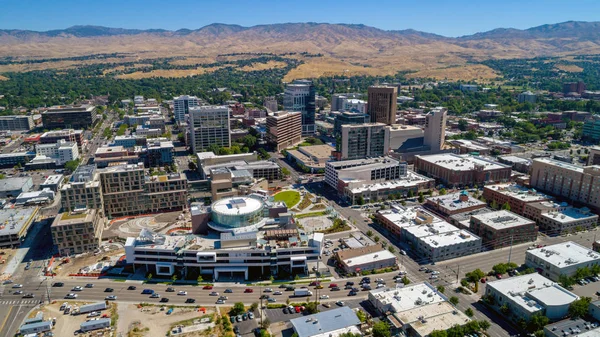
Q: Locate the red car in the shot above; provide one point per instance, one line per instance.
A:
(207, 287)
(297, 309)
(498, 276)
(333, 285)
(248, 290)
(482, 280)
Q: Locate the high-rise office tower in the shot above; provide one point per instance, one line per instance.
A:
(300, 96)
(209, 125)
(381, 104)
(182, 105)
(364, 140)
(435, 129)
(284, 129)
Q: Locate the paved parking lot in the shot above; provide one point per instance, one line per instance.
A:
(588, 290)
(246, 327)
(277, 315)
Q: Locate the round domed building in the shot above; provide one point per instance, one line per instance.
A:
(237, 212)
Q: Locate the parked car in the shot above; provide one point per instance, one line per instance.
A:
(340, 303)
(232, 319)
(335, 289)
(238, 318)
(271, 300)
(250, 315)
(244, 317)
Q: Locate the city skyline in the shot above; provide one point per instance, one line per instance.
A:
(429, 16)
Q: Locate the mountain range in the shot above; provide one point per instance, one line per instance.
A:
(352, 48)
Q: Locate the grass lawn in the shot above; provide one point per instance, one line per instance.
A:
(289, 197)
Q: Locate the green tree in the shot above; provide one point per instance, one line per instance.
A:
(484, 324)
(107, 133)
(181, 137)
(421, 197)
(506, 206)
(391, 249)
(238, 308)
(441, 289)
(174, 278)
(369, 233)
(454, 300)
(410, 194)
(149, 277)
(253, 306)
(266, 323)
(579, 308)
(469, 312)
(462, 124)
(360, 200)
(537, 322)
(505, 309)
(494, 204)
(475, 275)
(405, 280)
(72, 165)
(381, 329)
(311, 307)
(200, 279)
(297, 277)
(285, 171)
(376, 239)
(271, 278)
(361, 316)
(443, 191)
(438, 333)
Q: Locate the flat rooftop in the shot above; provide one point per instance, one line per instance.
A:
(519, 192)
(578, 327)
(411, 179)
(461, 162)
(16, 183)
(361, 162)
(570, 214)
(449, 239)
(440, 316)
(53, 179)
(69, 218)
(406, 298)
(383, 254)
(12, 220)
(564, 254)
(560, 164)
(324, 322)
(533, 291)
(237, 205)
(317, 151)
(435, 228)
(502, 219)
(452, 201)
(515, 159)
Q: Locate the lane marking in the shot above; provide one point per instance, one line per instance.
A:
(6, 318)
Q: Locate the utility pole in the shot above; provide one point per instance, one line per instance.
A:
(511, 245)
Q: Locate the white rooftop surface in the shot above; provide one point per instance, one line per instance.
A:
(411, 179)
(236, 205)
(590, 333)
(400, 217)
(436, 228)
(438, 317)
(461, 162)
(519, 192)
(402, 299)
(449, 239)
(560, 164)
(470, 144)
(569, 215)
(502, 219)
(367, 258)
(452, 201)
(564, 254)
(515, 159)
(533, 287)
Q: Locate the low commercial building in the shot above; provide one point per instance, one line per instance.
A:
(61, 152)
(40, 197)
(70, 116)
(416, 309)
(454, 203)
(101, 323)
(15, 223)
(367, 170)
(463, 220)
(561, 259)
(367, 258)
(77, 232)
(557, 219)
(15, 159)
(462, 170)
(110, 155)
(578, 327)
(53, 182)
(12, 187)
(398, 217)
(234, 256)
(518, 164)
(528, 295)
(68, 135)
(517, 197)
(16, 123)
(356, 191)
(330, 323)
(249, 162)
(503, 228)
(468, 147)
(439, 241)
(312, 157)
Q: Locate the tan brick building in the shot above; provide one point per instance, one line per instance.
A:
(77, 232)
(284, 129)
(516, 196)
(503, 228)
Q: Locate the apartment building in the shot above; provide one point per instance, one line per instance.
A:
(561, 259)
(16, 123)
(127, 190)
(270, 103)
(503, 228)
(557, 219)
(70, 116)
(367, 170)
(382, 104)
(82, 191)
(240, 256)
(182, 105)
(364, 140)
(209, 125)
(284, 129)
(461, 170)
(61, 152)
(77, 232)
(15, 225)
(574, 183)
(435, 129)
(516, 196)
(348, 118)
(300, 95)
(454, 203)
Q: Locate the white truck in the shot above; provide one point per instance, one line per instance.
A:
(302, 292)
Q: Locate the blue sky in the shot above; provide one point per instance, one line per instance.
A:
(444, 17)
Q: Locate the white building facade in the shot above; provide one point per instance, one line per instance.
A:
(181, 106)
(61, 152)
(209, 125)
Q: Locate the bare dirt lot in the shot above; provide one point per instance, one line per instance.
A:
(132, 227)
(77, 263)
(152, 321)
(66, 325)
(5, 256)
